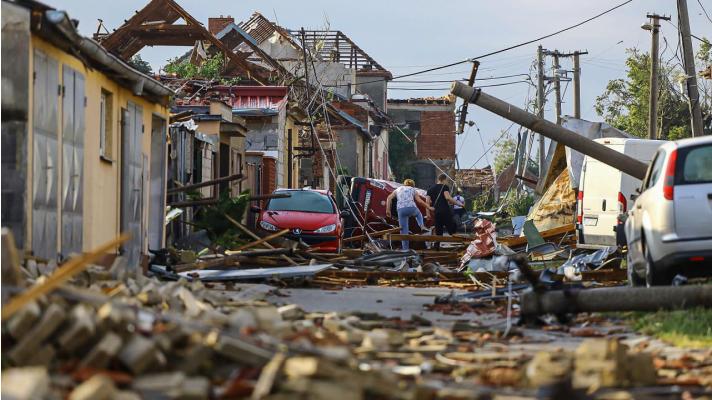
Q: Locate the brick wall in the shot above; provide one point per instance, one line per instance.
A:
(353, 110)
(217, 24)
(437, 135)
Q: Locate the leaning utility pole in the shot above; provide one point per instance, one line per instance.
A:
(591, 148)
(540, 100)
(654, 28)
(693, 95)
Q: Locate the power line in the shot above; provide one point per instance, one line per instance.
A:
(447, 88)
(463, 79)
(691, 34)
(507, 48)
(704, 11)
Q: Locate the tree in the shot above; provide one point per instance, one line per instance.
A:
(137, 63)
(504, 154)
(624, 103)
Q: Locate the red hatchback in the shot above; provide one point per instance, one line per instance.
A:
(310, 215)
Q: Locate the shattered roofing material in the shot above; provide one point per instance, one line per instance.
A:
(475, 177)
(337, 47)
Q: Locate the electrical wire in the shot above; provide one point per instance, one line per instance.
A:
(507, 48)
(704, 10)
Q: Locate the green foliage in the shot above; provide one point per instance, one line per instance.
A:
(504, 154)
(518, 203)
(401, 152)
(686, 328)
(137, 63)
(483, 202)
(624, 103)
(220, 230)
(210, 69)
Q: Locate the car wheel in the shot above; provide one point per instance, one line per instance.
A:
(634, 279)
(653, 277)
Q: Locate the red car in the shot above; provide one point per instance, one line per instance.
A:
(311, 216)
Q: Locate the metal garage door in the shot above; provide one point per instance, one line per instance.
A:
(132, 181)
(73, 103)
(45, 162)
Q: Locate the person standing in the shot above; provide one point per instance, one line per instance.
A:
(459, 209)
(408, 199)
(440, 196)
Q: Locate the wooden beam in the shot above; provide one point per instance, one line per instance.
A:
(67, 270)
(257, 242)
(431, 238)
(514, 241)
(371, 234)
(252, 234)
(212, 182)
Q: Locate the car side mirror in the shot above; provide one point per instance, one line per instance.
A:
(345, 214)
(255, 209)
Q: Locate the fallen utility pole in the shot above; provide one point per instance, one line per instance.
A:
(615, 299)
(693, 94)
(622, 162)
(654, 28)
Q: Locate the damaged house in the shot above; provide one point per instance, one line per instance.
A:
(85, 141)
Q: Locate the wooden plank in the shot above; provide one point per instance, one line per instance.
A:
(431, 238)
(72, 267)
(513, 241)
(371, 234)
(203, 184)
(249, 232)
(257, 242)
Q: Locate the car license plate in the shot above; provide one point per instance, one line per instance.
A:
(590, 221)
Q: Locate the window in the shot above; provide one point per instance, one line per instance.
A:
(655, 169)
(696, 165)
(106, 126)
(304, 201)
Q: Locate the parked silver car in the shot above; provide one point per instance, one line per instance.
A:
(669, 228)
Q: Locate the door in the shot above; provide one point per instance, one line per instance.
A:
(693, 193)
(45, 174)
(157, 184)
(131, 181)
(73, 103)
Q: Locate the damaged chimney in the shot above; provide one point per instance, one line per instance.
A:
(217, 24)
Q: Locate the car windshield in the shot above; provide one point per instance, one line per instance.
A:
(304, 201)
(696, 165)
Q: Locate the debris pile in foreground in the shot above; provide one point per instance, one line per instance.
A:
(102, 338)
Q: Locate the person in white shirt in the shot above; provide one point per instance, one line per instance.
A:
(459, 209)
(408, 199)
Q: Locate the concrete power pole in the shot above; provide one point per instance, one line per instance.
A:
(577, 85)
(557, 86)
(540, 101)
(693, 93)
(654, 28)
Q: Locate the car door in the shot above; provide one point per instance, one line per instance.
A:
(693, 193)
(646, 196)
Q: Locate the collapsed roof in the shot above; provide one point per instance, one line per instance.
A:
(156, 25)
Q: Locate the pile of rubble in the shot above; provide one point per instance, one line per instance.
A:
(98, 337)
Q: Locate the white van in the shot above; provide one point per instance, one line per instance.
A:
(605, 192)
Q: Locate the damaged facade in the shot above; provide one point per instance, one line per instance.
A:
(87, 142)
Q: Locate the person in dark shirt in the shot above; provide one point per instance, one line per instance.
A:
(439, 195)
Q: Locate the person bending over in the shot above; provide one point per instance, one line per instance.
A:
(408, 199)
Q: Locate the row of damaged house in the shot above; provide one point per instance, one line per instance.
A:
(92, 147)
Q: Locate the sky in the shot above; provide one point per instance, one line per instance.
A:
(412, 35)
